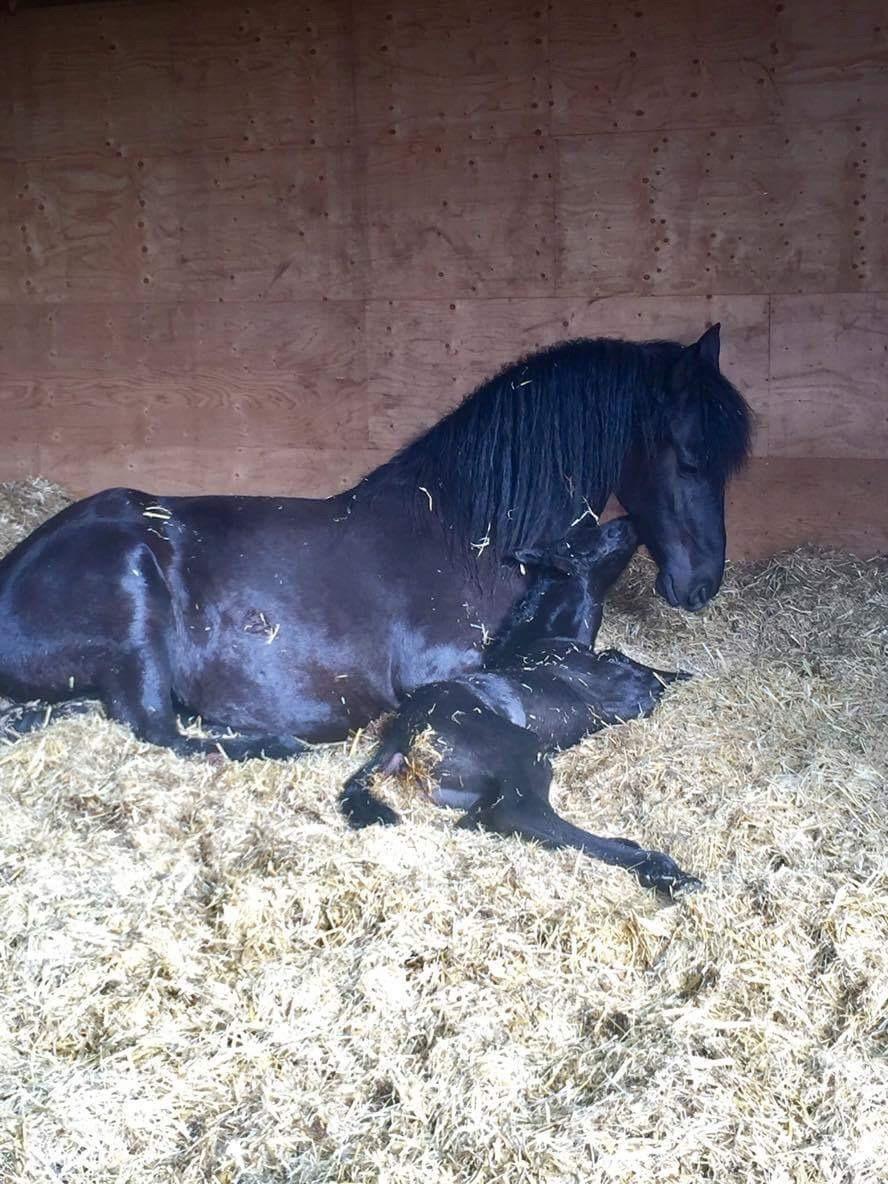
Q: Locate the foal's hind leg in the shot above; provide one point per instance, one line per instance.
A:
(359, 803)
(136, 688)
(527, 813)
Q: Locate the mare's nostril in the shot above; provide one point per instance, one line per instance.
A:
(700, 595)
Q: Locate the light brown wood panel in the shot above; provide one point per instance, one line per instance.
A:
(152, 78)
(459, 71)
(271, 225)
(264, 75)
(199, 409)
(473, 219)
(761, 209)
(832, 60)
(424, 356)
(85, 79)
(185, 468)
(670, 64)
(74, 230)
(319, 343)
(196, 205)
(10, 230)
(782, 502)
(96, 339)
(829, 375)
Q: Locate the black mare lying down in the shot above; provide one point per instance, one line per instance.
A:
(294, 619)
(544, 690)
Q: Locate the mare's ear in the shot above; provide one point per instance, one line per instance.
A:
(709, 345)
(706, 351)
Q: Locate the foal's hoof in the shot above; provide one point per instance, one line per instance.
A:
(365, 810)
(663, 874)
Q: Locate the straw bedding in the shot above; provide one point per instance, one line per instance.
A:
(205, 976)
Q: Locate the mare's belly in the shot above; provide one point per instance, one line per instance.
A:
(254, 690)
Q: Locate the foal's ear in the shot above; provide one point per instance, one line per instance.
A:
(526, 556)
(542, 557)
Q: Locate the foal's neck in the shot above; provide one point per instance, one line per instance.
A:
(553, 606)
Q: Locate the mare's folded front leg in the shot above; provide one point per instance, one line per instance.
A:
(526, 812)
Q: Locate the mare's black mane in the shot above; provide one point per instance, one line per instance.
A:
(528, 451)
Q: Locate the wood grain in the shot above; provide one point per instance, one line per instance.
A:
(779, 503)
(832, 60)
(315, 340)
(829, 375)
(205, 373)
(278, 225)
(258, 247)
(185, 468)
(136, 78)
(673, 64)
(476, 219)
(762, 209)
(200, 409)
(74, 230)
(458, 71)
(424, 356)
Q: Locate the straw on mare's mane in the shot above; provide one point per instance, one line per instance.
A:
(520, 457)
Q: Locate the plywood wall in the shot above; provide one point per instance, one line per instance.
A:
(257, 247)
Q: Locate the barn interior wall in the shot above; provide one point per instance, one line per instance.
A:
(255, 248)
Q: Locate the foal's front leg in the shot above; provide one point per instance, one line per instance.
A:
(526, 812)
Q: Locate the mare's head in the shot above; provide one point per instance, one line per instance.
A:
(571, 578)
(674, 477)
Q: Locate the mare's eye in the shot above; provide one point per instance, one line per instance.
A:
(687, 469)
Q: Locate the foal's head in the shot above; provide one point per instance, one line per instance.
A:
(570, 579)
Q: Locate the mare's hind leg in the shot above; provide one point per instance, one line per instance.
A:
(136, 689)
(526, 812)
(139, 695)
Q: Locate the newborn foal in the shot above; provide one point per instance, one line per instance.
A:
(544, 689)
